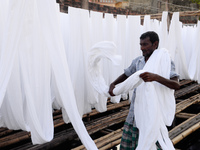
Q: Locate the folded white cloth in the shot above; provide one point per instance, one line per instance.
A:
(155, 105)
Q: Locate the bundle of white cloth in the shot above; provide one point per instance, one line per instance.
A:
(154, 103)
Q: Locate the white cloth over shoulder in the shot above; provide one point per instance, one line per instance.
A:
(154, 103)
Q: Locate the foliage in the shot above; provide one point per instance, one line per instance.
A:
(195, 1)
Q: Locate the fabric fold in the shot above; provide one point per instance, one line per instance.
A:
(100, 50)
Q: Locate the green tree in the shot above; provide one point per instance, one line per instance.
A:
(196, 1)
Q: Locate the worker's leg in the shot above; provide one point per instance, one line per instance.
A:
(129, 139)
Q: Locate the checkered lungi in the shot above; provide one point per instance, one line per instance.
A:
(130, 136)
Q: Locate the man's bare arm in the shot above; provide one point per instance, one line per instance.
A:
(120, 79)
(170, 83)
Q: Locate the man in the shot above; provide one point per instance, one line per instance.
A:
(149, 42)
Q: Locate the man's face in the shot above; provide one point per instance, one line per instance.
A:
(147, 47)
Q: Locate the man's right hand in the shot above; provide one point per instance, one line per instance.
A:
(112, 86)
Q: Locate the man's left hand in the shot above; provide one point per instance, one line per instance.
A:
(148, 77)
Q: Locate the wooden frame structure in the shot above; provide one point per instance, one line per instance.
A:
(102, 123)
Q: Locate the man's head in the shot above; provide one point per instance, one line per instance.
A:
(148, 42)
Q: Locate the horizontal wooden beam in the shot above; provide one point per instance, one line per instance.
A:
(185, 115)
(186, 133)
(181, 14)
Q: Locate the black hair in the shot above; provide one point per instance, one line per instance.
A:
(153, 36)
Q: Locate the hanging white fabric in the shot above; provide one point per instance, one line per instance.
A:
(61, 73)
(163, 30)
(36, 39)
(110, 34)
(33, 60)
(175, 46)
(132, 50)
(194, 63)
(12, 28)
(104, 49)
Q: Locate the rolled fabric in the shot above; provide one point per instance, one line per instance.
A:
(129, 84)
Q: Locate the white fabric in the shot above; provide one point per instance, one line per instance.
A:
(76, 56)
(109, 31)
(62, 77)
(175, 46)
(34, 61)
(13, 24)
(129, 84)
(101, 50)
(133, 32)
(155, 105)
(194, 64)
(163, 30)
(33, 40)
(97, 30)
(14, 118)
(147, 24)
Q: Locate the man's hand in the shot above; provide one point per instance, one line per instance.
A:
(112, 86)
(148, 77)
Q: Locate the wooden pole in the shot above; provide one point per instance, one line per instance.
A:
(99, 142)
(85, 4)
(111, 145)
(186, 133)
(166, 5)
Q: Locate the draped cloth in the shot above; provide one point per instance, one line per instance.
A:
(100, 50)
(175, 46)
(32, 59)
(154, 103)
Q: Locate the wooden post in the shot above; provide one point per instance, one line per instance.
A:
(166, 5)
(85, 4)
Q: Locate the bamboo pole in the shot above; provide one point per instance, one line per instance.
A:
(117, 142)
(6, 132)
(100, 139)
(109, 119)
(189, 13)
(181, 14)
(186, 103)
(184, 115)
(187, 90)
(4, 142)
(109, 140)
(3, 129)
(57, 116)
(186, 133)
(56, 112)
(185, 81)
(184, 126)
(109, 107)
(107, 124)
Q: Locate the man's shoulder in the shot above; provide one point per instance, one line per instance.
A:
(139, 58)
